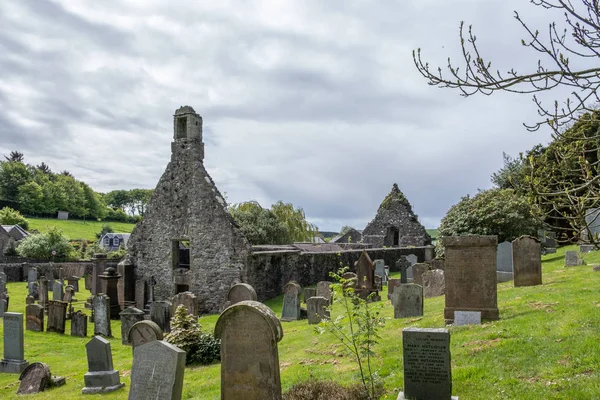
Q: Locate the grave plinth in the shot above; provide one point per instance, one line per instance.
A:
(110, 280)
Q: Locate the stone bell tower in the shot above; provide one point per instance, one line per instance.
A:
(187, 131)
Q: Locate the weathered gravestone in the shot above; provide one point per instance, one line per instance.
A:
(109, 287)
(74, 282)
(380, 270)
(249, 333)
(527, 261)
(58, 291)
(188, 300)
(34, 318)
(79, 323)
(434, 283)
(140, 294)
(572, 259)
(504, 262)
(291, 302)
(160, 312)
(316, 308)
(402, 265)
(366, 284)
(470, 275)
(57, 316)
(34, 379)
(68, 296)
(98, 268)
(240, 292)
(129, 317)
(309, 292)
(101, 306)
(427, 367)
(43, 295)
(412, 260)
(14, 349)
(29, 300)
(157, 372)
(32, 274)
(324, 290)
(144, 332)
(392, 284)
(126, 285)
(33, 290)
(101, 376)
(418, 270)
(586, 248)
(467, 318)
(408, 300)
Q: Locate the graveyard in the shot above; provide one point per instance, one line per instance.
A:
(544, 345)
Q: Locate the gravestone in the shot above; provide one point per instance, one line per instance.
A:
(43, 295)
(160, 312)
(412, 260)
(126, 285)
(3, 307)
(572, 259)
(309, 292)
(316, 308)
(418, 270)
(188, 300)
(427, 367)
(58, 291)
(98, 268)
(240, 292)
(29, 300)
(434, 283)
(470, 275)
(467, 318)
(101, 307)
(143, 332)
(408, 300)
(109, 287)
(34, 379)
(14, 349)
(34, 318)
(87, 281)
(586, 248)
(33, 290)
(249, 333)
(291, 302)
(157, 372)
(57, 316)
(79, 322)
(437, 263)
(140, 294)
(32, 274)
(392, 284)
(68, 296)
(324, 290)
(504, 257)
(74, 282)
(101, 376)
(527, 261)
(129, 317)
(366, 284)
(380, 270)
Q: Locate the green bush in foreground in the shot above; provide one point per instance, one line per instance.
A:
(42, 245)
(8, 216)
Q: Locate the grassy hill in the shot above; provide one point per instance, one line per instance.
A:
(77, 229)
(545, 346)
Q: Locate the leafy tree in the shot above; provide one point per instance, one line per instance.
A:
(15, 156)
(139, 200)
(30, 197)
(44, 168)
(8, 216)
(566, 61)
(258, 224)
(511, 175)
(13, 174)
(117, 199)
(41, 246)
(498, 212)
(299, 229)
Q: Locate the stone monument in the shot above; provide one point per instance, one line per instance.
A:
(157, 371)
(527, 261)
(101, 376)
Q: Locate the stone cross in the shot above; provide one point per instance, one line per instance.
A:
(402, 264)
(101, 376)
(14, 348)
(157, 372)
(249, 333)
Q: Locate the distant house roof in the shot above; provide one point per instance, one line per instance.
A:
(351, 236)
(15, 231)
(317, 239)
(112, 241)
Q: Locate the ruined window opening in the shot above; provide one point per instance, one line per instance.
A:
(392, 237)
(181, 254)
(181, 128)
(182, 288)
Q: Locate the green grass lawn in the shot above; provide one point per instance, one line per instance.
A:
(77, 229)
(545, 346)
(433, 233)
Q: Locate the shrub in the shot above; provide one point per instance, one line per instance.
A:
(329, 390)
(41, 246)
(9, 216)
(208, 351)
(105, 229)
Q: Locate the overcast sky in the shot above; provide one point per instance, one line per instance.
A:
(316, 103)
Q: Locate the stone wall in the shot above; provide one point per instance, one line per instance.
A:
(17, 272)
(269, 271)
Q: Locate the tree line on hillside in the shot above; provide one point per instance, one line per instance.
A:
(38, 191)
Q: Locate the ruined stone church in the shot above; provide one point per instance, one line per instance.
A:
(187, 240)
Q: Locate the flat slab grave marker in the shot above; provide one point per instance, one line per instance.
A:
(101, 376)
(408, 300)
(427, 368)
(467, 318)
(527, 261)
(249, 333)
(291, 302)
(157, 372)
(470, 275)
(144, 332)
(14, 348)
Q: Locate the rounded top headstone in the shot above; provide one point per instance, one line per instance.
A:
(253, 307)
(241, 291)
(147, 331)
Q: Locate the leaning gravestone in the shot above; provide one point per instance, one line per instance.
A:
(434, 283)
(34, 318)
(79, 323)
(427, 367)
(101, 306)
(101, 376)
(527, 261)
(129, 317)
(291, 302)
(160, 312)
(249, 333)
(324, 290)
(418, 270)
(408, 300)
(572, 259)
(188, 300)
(144, 332)
(57, 316)
(157, 372)
(467, 318)
(470, 275)
(14, 349)
(34, 379)
(316, 308)
(240, 292)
